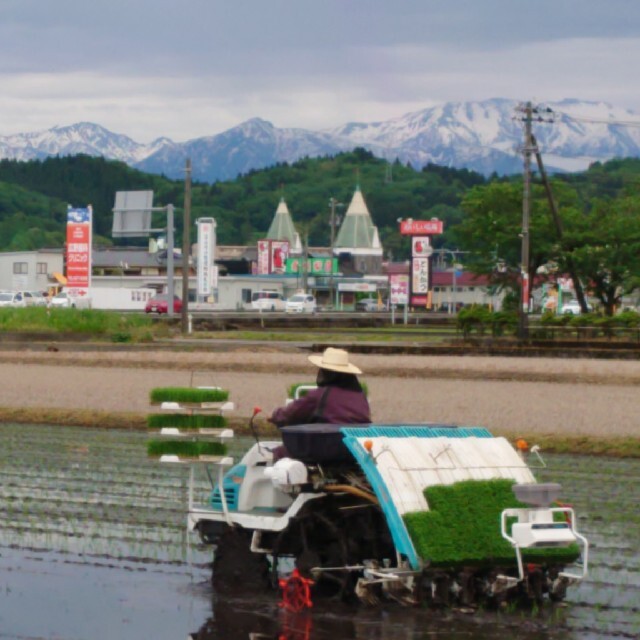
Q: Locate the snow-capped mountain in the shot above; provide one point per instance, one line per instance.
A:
(484, 136)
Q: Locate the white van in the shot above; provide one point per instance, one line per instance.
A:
(267, 301)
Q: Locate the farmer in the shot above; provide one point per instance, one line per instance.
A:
(339, 398)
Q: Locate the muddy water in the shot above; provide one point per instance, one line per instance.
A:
(93, 547)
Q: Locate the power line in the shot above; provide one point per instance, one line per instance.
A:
(619, 123)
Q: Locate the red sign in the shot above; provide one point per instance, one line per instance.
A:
(263, 257)
(420, 227)
(399, 288)
(79, 248)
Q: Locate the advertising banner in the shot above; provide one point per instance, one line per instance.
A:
(421, 247)
(263, 257)
(420, 227)
(79, 250)
(419, 280)
(279, 252)
(315, 266)
(399, 288)
(206, 256)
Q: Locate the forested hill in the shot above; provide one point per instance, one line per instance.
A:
(34, 196)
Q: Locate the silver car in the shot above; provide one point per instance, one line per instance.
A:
(12, 299)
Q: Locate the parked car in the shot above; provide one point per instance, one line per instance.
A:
(267, 301)
(573, 308)
(62, 300)
(301, 303)
(11, 299)
(160, 304)
(33, 298)
(370, 304)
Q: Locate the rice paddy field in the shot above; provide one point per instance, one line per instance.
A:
(93, 546)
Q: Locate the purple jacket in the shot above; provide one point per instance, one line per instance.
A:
(340, 407)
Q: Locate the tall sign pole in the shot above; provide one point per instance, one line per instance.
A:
(186, 248)
(78, 258)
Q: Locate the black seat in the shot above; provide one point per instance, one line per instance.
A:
(317, 443)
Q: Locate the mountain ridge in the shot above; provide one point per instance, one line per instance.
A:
(483, 136)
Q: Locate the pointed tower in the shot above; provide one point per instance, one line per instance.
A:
(282, 228)
(358, 236)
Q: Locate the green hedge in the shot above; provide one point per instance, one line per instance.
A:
(462, 527)
(188, 394)
(188, 449)
(185, 421)
(479, 319)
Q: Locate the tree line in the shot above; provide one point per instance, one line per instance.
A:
(482, 215)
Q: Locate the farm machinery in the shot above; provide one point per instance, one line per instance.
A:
(417, 513)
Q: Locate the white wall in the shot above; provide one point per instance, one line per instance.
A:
(29, 262)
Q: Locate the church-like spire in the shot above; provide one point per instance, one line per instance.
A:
(357, 233)
(282, 228)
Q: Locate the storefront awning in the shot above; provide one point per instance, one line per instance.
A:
(60, 278)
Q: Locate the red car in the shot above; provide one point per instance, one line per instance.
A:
(160, 304)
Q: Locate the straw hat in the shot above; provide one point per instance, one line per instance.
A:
(334, 360)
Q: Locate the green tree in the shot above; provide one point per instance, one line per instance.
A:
(491, 232)
(605, 246)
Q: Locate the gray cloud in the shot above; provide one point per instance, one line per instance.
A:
(192, 68)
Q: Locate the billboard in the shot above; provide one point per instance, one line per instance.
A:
(315, 266)
(264, 257)
(399, 288)
(206, 256)
(421, 247)
(132, 214)
(419, 277)
(420, 227)
(272, 256)
(279, 252)
(78, 274)
(421, 251)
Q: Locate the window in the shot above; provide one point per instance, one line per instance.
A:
(246, 295)
(41, 268)
(20, 267)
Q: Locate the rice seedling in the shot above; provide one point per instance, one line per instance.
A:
(189, 395)
(462, 527)
(191, 449)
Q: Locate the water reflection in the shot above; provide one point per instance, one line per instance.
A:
(241, 619)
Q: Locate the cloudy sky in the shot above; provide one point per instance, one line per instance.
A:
(190, 68)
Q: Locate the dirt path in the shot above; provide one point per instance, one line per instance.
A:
(512, 395)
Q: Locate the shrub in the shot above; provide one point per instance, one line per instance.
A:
(479, 318)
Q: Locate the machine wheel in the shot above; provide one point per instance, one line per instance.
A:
(317, 539)
(236, 569)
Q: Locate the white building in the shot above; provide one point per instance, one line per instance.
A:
(31, 270)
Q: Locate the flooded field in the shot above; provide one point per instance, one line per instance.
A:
(93, 547)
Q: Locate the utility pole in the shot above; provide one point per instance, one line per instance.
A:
(333, 203)
(186, 248)
(305, 259)
(526, 214)
(577, 286)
